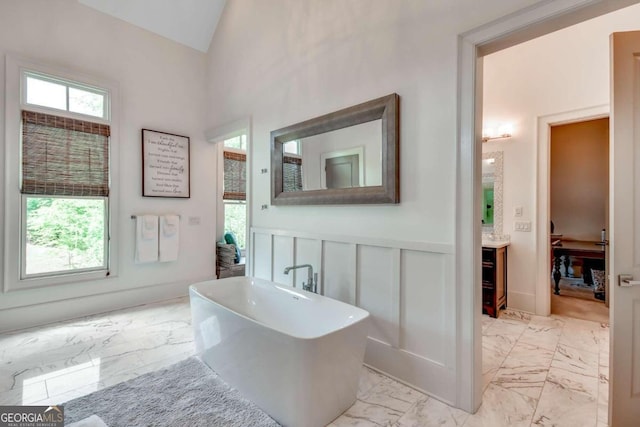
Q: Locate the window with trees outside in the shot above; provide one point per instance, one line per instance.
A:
(65, 133)
(234, 196)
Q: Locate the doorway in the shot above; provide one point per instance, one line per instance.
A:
(233, 196)
(492, 37)
(579, 194)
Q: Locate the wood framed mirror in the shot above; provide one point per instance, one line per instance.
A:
(351, 156)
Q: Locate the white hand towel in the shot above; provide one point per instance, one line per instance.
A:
(169, 237)
(146, 238)
(149, 226)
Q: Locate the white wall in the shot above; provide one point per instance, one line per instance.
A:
(161, 87)
(579, 179)
(560, 72)
(285, 61)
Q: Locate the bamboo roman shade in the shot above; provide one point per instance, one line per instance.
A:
(63, 156)
(291, 173)
(235, 176)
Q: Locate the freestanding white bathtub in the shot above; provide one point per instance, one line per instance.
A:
(296, 354)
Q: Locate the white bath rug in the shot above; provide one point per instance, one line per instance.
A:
(185, 394)
(92, 421)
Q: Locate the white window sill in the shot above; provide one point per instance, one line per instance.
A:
(56, 280)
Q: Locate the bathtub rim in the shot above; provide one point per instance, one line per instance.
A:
(286, 288)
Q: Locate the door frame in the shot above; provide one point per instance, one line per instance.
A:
(543, 195)
(217, 136)
(528, 23)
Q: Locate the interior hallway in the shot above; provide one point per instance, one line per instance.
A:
(579, 308)
(537, 370)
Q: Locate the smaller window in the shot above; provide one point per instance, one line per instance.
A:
(292, 147)
(238, 142)
(52, 92)
(85, 102)
(46, 94)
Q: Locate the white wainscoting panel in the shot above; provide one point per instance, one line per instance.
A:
(375, 290)
(406, 286)
(338, 271)
(423, 304)
(282, 257)
(262, 255)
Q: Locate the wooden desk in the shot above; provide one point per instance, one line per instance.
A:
(579, 249)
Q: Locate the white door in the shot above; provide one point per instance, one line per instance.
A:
(624, 394)
(342, 172)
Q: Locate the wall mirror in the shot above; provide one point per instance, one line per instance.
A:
(492, 193)
(349, 156)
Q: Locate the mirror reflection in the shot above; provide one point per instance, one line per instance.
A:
(488, 177)
(343, 158)
(492, 193)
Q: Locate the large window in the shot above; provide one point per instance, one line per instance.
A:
(63, 234)
(64, 180)
(235, 183)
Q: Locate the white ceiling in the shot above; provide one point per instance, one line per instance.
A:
(190, 22)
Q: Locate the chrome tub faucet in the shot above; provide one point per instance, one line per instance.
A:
(312, 278)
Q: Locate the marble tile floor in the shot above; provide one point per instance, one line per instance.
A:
(537, 371)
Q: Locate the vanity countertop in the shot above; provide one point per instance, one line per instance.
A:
(496, 244)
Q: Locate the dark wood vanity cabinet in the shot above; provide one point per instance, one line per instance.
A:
(494, 280)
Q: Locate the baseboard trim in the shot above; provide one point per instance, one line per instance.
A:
(434, 380)
(521, 301)
(12, 319)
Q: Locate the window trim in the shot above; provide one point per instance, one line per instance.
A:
(16, 67)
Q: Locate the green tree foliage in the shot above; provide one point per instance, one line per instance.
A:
(235, 220)
(76, 225)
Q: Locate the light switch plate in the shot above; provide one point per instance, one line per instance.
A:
(517, 211)
(522, 226)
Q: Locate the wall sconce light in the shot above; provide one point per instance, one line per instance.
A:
(498, 132)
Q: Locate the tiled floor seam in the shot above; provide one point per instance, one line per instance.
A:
(533, 413)
(535, 410)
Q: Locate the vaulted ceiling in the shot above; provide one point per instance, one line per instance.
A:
(189, 22)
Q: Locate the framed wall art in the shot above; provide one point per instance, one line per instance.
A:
(165, 165)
